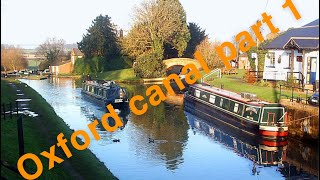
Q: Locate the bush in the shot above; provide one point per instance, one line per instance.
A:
(249, 77)
(88, 66)
(280, 83)
(150, 66)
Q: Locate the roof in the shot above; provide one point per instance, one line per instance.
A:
(313, 23)
(76, 52)
(305, 37)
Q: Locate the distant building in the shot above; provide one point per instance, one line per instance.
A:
(75, 54)
(243, 62)
(61, 68)
(301, 44)
(66, 67)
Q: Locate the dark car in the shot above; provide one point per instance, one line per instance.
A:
(314, 99)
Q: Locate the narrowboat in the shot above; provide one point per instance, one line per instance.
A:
(259, 151)
(243, 112)
(106, 91)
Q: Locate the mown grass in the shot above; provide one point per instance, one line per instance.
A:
(237, 83)
(39, 135)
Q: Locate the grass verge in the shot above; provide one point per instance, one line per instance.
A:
(122, 74)
(39, 135)
(236, 83)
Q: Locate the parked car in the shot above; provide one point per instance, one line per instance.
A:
(314, 99)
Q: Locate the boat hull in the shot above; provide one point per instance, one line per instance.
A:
(116, 103)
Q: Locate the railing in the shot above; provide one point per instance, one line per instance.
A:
(210, 74)
(257, 74)
(10, 111)
(300, 78)
(298, 97)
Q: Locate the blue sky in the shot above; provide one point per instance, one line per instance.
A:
(32, 21)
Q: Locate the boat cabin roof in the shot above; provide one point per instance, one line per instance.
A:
(232, 95)
(105, 84)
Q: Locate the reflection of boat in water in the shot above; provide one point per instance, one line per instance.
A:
(260, 151)
(250, 116)
(91, 114)
(106, 91)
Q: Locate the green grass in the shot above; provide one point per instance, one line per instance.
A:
(33, 63)
(123, 74)
(39, 135)
(236, 83)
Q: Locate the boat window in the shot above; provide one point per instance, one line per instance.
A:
(197, 93)
(100, 92)
(236, 107)
(252, 113)
(104, 93)
(191, 90)
(225, 104)
(217, 100)
(212, 99)
(221, 102)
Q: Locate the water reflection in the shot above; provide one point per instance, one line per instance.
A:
(182, 148)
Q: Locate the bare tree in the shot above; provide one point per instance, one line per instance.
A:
(12, 58)
(208, 51)
(52, 49)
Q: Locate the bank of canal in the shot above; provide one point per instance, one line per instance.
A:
(39, 135)
(179, 150)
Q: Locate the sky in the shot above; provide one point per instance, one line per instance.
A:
(31, 22)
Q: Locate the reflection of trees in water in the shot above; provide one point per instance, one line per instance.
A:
(166, 124)
(301, 158)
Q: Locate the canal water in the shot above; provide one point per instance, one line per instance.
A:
(185, 146)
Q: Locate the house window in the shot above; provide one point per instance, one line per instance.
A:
(272, 58)
(289, 54)
(299, 58)
(279, 59)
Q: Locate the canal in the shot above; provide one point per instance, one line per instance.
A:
(185, 146)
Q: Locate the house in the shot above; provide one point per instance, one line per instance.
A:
(75, 54)
(66, 67)
(295, 50)
(243, 62)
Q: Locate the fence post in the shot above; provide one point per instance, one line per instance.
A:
(20, 136)
(280, 94)
(10, 110)
(17, 103)
(292, 94)
(4, 111)
(307, 96)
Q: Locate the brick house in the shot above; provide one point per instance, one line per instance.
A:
(66, 67)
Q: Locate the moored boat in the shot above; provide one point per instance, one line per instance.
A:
(245, 113)
(106, 91)
(262, 152)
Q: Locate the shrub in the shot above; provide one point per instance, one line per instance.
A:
(150, 66)
(250, 77)
(88, 66)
